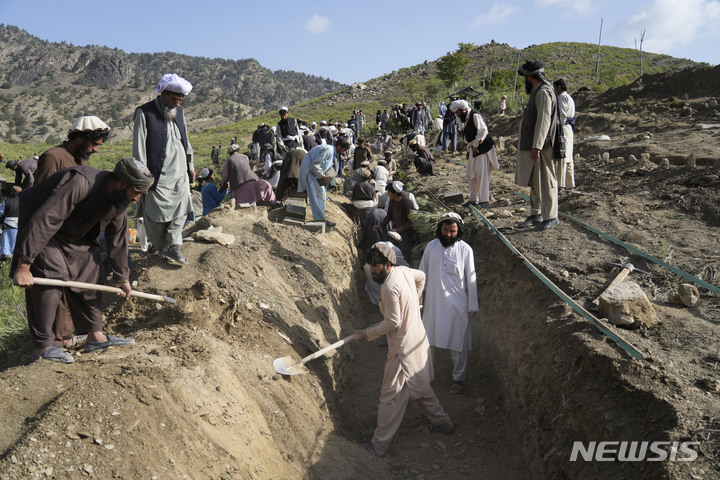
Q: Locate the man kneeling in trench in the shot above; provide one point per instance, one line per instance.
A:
(408, 369)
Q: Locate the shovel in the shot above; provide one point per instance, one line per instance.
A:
(51, 282)
(287, 366)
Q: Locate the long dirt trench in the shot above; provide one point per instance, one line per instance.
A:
(197, 396)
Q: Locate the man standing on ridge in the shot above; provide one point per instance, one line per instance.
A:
(535, 159)
(160, 141)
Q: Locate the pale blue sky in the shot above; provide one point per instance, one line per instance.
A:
(357, 40)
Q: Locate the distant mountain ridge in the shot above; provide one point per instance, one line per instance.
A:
(44, 85)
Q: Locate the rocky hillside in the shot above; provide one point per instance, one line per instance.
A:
(491, 69)
(44, 85)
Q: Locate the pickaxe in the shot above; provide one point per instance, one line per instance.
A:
(627, 268)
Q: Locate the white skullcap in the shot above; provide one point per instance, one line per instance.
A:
(273, 128)
(88, 124)
(459, 105)
(451, 216)
(313, 123)
(173, 83)
(284, 109)
(396, 186)
(204, 173)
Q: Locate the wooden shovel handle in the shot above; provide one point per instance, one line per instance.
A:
(51, 282)
(327, 349)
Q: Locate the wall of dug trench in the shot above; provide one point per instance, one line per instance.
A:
(564, 380)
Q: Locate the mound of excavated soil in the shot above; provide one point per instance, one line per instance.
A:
(197, 396)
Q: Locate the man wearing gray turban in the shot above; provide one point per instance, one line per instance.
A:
(535, 160)
(160, 141)
(60, 219)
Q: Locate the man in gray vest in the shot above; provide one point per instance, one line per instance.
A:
(160, 141)
(535, 160)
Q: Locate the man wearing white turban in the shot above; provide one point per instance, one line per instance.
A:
(481, 155)
(160, 141)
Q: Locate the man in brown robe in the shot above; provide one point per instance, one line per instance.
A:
(408, 369)
(85, 137)
(60, 219)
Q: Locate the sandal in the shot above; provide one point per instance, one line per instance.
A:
(54, 354)
(456, 388)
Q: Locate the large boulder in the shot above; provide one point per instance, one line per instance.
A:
(627, 306)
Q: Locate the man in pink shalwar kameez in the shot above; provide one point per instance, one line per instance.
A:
(408, 369)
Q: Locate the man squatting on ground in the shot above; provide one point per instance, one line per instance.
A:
(408, 369)
(160, 141)
(535, 159)
(450, 294)
(60, 220)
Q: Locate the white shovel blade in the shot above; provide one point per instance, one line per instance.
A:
(288, 366)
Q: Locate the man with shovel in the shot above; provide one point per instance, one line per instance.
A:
(60, 219)
(408, 369)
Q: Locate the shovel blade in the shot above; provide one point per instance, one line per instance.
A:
(288, 366)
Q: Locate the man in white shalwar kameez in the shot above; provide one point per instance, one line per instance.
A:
(482, 158)
(160, 141)
(450, 294)
(408, 369)
(313, 176)
(566, 111)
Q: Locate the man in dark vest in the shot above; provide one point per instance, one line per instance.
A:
(160, 141)
(288, 132)
(481, 154)
(535, 160)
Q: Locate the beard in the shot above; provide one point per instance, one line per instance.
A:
(168, 113)
(463, 116)
(380, 277)
(447, 241)
(528, 86)
(120, 200)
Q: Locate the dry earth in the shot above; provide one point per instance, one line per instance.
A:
(197, 397)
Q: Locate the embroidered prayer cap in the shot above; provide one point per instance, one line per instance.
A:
(233, 148)
(451, 216)
(267, 146)
(386, 251)
(172, 82)
(283, 109)
(204, 173)
(382, 161)
(459, 105)
(387, 154)
(532, 68)
(364, 163)
(412, 142)
(365, 174)
(134, 173)
(396, 187)
(88, 123)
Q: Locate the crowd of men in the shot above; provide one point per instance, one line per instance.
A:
(58, 210)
